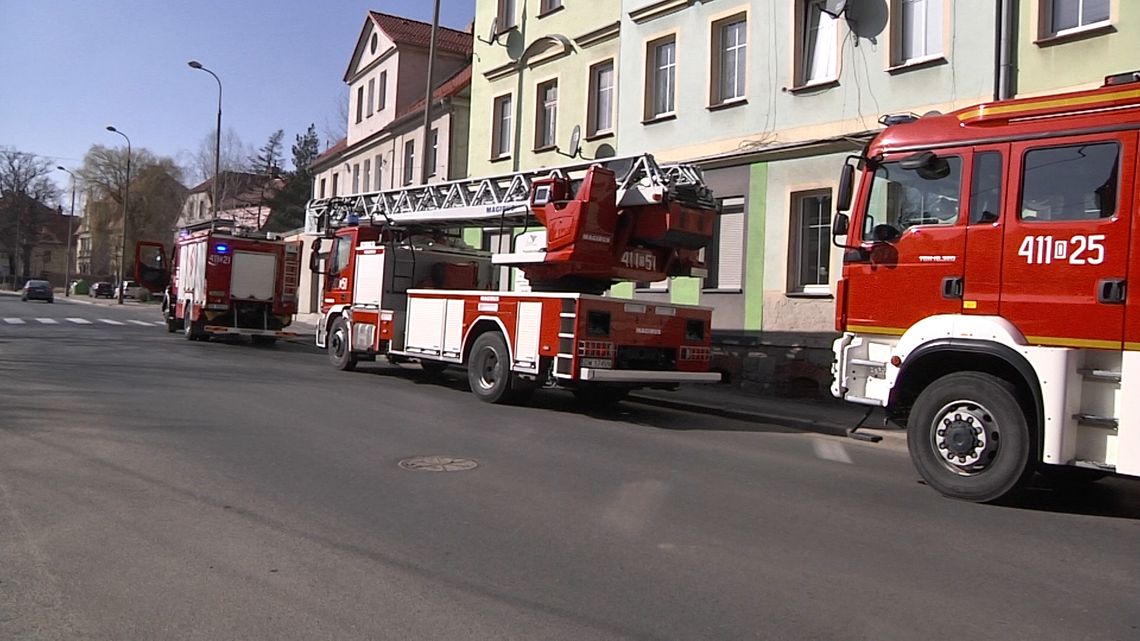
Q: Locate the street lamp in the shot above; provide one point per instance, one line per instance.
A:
(67, 269)
(126, 197)
(194, 64)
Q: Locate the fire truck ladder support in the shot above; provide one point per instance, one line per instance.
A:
(495, 199)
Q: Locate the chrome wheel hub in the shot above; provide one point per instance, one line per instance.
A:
(965, 436)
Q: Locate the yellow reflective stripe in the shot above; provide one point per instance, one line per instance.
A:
(985, 111)
(1129, 345)
(1087, 343)
(874, 329)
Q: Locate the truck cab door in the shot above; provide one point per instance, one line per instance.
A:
(1066, 240)
(987, 176)
(911, 239)
(338, 274)
(151, 267)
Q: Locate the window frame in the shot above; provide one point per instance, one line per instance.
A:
(382, 99)
(1046, 33)
(546, 116)
(800, 58)
(651, 78)
(359, 104)
(506, 12)
(502, 121)
(729, 206)
(409, 168)
(593, 101)
(797, 242)
(898, 36)
(371, 96)
(433, 148)
(547, 7)
(1024, 183)
(717, 57)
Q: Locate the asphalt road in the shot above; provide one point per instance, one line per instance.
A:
(155, 488)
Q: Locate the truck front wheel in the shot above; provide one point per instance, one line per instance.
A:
(340, 354)
(969, 438)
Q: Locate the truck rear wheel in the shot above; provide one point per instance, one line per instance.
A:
(968, 437)
(340, 354)
(489, 370)
(192, 330)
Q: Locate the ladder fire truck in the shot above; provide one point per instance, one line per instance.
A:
(401, 282)
(985, 300)
(226, 281)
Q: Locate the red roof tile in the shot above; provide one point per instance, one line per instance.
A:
(450, 87)
(418, 34)
(331, 152)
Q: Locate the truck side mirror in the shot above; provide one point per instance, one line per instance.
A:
(315, 257)
(843, 194)
(839, 225)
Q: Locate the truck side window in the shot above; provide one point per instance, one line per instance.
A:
(1079, 182)
(902, 198)
(338, 255)
(985, 192)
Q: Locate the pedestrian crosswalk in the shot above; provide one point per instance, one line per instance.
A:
(81, 321)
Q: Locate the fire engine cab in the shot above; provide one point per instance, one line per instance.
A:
(985, 297)
(401, 282)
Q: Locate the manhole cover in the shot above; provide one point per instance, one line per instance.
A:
(438, 464)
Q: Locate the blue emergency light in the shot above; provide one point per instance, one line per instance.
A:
(221, 249)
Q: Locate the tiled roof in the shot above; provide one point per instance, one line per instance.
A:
(418, 34)
(450, 87)
(331, 152)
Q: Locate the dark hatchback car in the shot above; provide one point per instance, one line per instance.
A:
(102, 290)
(38, 290)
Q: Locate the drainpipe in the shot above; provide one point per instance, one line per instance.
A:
(1006, 46)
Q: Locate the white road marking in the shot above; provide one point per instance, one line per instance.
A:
(139, 322)
(79, 321)
(109, 321)
(160, 323)
(14, 321)
(48, 321)
(831, 451)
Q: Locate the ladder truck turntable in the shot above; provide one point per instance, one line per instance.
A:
(984, 301)
(400, 282)
(224, 280)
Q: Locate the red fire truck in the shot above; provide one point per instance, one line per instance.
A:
(401, 282)
(226, 282)
(984, 300)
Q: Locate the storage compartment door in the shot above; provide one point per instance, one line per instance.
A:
(425, 324)
(369, 279)
(254, 276)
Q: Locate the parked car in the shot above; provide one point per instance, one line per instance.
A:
(102, 290)
(131, 289)
(37, 290)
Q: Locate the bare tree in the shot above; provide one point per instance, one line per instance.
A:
(234, 153)
(25, 187)
(336, 125)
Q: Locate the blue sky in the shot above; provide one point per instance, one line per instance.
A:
(70, 68)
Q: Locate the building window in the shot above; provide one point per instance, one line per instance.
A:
(601, 115)
(1064, 16)
(367, 174)
(336, 184)
(377, 164)
(918, 31)
(501, 128)
(724, 256)
(383, 90)
(359, 104)
(730, 58)
(356, 178)
(546, 6)
(371, 95)
(321, 192)
(433, 151)
(810, 249)
(546, 120)
(661, 74)
(506, 14)
(409, 161)
(816, 43)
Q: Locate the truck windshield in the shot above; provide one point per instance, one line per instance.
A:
(902, 198)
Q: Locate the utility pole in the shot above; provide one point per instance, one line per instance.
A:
(424, 168)
(70, 219)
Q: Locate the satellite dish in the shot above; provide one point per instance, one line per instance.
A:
(575, 141)
(834, 8)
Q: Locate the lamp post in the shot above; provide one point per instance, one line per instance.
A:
(194, 64)
(67, 269)
(425, 171)
(126, 198)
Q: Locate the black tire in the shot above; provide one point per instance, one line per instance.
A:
(192, 330)
(338, 346)
(600, 395)
(489, 369)
(433, 368)
(264, 341)
(50, 301)
(968, 437)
